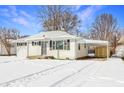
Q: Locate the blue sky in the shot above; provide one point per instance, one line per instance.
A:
(24, 18)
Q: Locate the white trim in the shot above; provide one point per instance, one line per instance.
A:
(93, 42)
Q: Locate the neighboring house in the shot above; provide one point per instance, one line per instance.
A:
(3, 51)
(119, 52)
(58, 44)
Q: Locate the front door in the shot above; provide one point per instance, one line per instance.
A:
(43, 48)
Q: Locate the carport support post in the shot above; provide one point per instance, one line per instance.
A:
(107, 51)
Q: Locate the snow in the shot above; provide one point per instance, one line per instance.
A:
(94, 42)
(119, 51)
(48, 35)
(19, 72)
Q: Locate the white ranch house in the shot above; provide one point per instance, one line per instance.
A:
(58, 44)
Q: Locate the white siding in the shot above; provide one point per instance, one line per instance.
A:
(83, 52)
(34, 50)
(22, 51)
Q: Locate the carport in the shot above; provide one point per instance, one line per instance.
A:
(96, 43)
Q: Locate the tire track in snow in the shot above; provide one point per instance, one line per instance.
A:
(8, 83)
(97, 69)
(11, 61)
(69, 76)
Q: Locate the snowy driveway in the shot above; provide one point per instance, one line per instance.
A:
(62, 73)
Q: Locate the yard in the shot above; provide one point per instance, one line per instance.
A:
(62, 73)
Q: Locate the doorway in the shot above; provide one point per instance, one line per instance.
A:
(43, 48)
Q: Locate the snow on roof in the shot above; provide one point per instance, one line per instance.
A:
(48, 35)
(93, 42)
(60, 35)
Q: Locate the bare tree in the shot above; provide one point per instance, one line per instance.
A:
(56, 17)
(105, 27)
(6, 36)
(122, 31)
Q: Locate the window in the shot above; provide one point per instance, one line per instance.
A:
(39, 43)
(68, 44)
(32, 43)
(17, 44)
(25, 44)
(50, 44)
(35, 43)
(54, 46)
(59, 45)
(22, 44)
(79, 47)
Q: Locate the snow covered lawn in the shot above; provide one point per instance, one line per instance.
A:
(63, 73)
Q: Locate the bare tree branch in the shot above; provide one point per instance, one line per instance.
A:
(104, 28)
(6, 35)
(56, 17)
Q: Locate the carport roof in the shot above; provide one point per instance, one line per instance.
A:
(93, 42)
